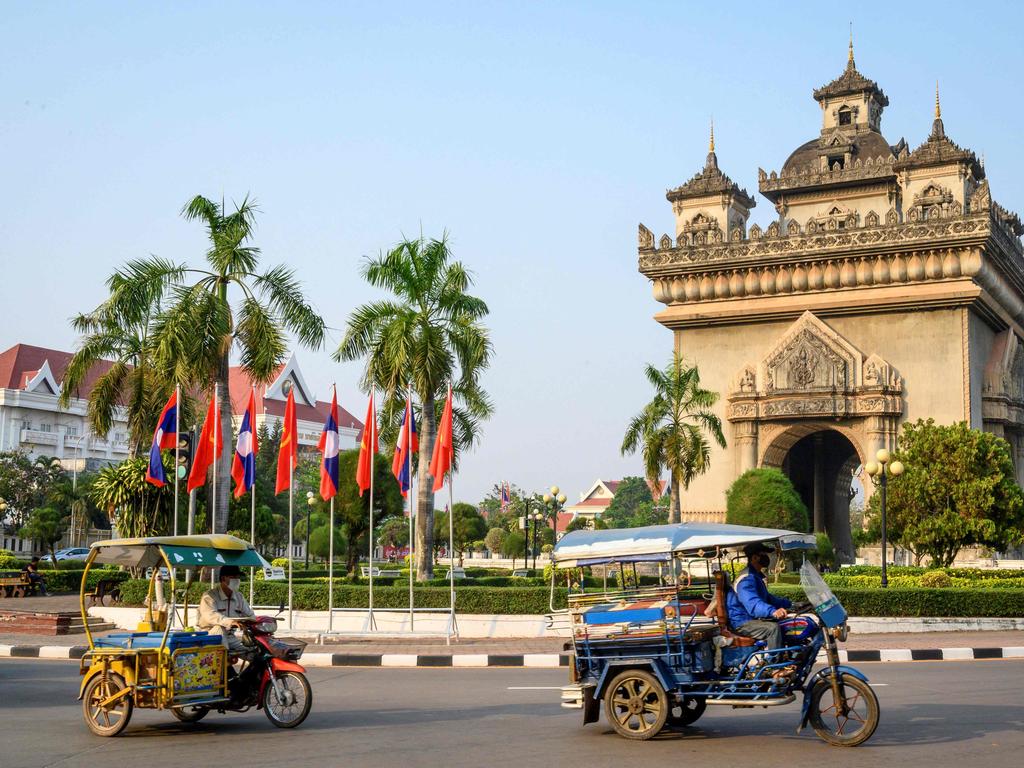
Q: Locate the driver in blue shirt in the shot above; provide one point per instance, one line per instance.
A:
(753, 610)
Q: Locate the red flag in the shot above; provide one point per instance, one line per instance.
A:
(367, 448)
(288, 455)
(444, 446)
(209, 448)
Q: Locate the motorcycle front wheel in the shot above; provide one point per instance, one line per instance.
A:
(839, 728)
(287, 704)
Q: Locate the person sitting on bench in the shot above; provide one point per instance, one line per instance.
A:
(35, 578)
(753, 610)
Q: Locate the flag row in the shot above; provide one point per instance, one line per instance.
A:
(210, 447)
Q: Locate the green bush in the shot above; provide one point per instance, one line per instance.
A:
(765, 497)
(71, 581)
(8, 562)
(935, 580)
(894, 601)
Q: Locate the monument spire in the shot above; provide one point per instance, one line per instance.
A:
(938, 109)
(712, 159)
(849, 62)
(711, 144)
(938, 129)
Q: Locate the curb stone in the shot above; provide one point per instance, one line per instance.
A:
(531, 660)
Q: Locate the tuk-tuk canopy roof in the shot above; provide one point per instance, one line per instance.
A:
(661, 542)
(184, 551)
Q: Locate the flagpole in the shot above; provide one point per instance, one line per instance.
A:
(177, 442)
(216, 424)
(252, 499)
(330, 574)
(372, 445)
(291, 497)
(412, 505)
(451, 535)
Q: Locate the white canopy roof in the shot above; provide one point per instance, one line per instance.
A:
(654, 542)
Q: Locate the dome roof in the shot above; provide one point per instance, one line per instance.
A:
(865, 144)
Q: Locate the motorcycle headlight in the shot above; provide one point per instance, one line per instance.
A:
(841, 632)
(268, 626)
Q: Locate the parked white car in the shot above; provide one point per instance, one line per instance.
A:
(73, 553)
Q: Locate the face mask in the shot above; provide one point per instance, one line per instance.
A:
(234, 584)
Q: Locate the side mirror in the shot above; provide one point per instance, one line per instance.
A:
(280, 608)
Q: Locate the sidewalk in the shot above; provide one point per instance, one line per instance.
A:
(549, 652)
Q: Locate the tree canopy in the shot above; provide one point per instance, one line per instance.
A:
(958, 489)
(672, 430)
(766, 498)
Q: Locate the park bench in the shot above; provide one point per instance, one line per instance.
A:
(16, 584)
(364, 571)
(105, 588)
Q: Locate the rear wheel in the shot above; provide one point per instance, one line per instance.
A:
(636, 705)
(289, 702)
(190, 714)
(111, 718)
(687, 710)
(827, 717)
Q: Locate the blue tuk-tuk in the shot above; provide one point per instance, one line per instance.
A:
(656, 646)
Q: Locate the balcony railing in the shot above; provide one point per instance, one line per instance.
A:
(39, 437)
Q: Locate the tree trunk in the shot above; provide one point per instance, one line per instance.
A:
(223, 467)
(674, 515)
(425, 493)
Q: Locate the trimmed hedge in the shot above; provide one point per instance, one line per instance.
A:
(71, 581)
(890, 602)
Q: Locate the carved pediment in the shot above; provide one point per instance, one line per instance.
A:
(811, 356)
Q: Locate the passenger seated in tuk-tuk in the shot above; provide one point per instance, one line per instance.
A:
(753, 610)
(222, 606)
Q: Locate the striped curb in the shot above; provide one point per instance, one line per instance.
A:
(531, 660)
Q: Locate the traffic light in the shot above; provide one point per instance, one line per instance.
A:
(185, 441)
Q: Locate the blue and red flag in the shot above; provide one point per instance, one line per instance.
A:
(164, 437)
(505, 496)
(329, 444)
(243, 468)
(408, 443)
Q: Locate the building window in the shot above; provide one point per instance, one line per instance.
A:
(46, 428)
(71, 431)
(836, 161)
(26, 424)
(845, 116)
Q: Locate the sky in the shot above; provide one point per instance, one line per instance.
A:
(537, 135)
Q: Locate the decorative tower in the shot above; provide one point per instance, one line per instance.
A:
(710, 207)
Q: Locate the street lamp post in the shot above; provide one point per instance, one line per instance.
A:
(555, 501)
(524, 526)
(880, 470)
(537, 517)
(310, 501)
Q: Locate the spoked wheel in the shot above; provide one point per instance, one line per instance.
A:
(106, 719)
(288, 704)
(190, 714)
(686, 711)
(636, 705)
(827, 717)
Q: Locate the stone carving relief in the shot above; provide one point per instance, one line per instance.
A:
(646, 238)
(981, 198)
(812, 371)
(934, 202)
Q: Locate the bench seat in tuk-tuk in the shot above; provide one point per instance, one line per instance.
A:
(175, 640)
(643, 611)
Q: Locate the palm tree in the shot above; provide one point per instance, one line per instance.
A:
(671, 429)
(120, 333)
(429, 334)
(197, 328)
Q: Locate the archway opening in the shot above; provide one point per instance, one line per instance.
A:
(821, 466)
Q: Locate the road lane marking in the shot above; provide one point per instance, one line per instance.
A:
(535, 688)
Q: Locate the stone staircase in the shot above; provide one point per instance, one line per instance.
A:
(27, 622)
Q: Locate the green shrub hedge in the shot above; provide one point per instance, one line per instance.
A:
(951, 601)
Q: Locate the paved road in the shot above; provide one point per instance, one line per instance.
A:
(934, 714)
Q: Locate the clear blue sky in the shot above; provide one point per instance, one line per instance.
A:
(538, 135)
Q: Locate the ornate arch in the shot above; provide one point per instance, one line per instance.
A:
(775, 449)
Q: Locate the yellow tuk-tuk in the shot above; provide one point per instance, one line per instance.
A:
(157, 667)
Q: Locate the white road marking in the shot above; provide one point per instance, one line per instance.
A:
(535, 688)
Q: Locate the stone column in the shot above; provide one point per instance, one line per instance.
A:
(745, 434)
(819, 484)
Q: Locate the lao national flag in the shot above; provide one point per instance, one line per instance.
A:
(504, 496)
(243, 468)
(164, 437)
(329, 443)
(408, 443)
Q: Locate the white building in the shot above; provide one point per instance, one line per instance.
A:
(32, 421)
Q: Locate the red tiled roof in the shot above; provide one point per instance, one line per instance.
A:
(239, 385)
(612, 485)
(592, 503)
(20, 363)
